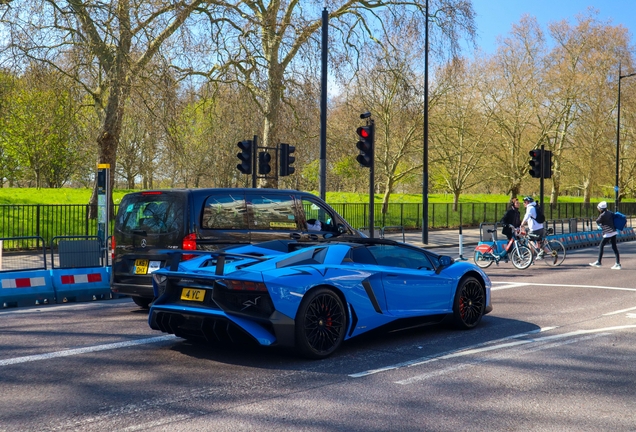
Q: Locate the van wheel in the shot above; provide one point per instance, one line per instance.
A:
(142, 302)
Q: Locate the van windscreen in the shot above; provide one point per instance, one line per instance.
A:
(152, 213)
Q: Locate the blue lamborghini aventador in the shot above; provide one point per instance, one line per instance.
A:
(313, 298)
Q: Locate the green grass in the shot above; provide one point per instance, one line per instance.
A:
(348, 197)
(51, 196)
(82, 196)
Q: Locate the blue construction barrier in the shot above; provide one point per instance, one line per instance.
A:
(41, 287)
(83, 284)
(71, 280)
(26, 288)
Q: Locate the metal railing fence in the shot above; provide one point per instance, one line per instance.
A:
(444, 215)
(51, 220)
(46, 221)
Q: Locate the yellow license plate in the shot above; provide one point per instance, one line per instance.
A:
(192, 294)
(141, 266)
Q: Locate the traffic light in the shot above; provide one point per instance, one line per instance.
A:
(263, 162)
(547, 164)
(286, 160)
(536, 159)
(365, 145)
(245, 156)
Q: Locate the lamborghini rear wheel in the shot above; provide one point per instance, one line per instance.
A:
(470, 303)
(320, 324)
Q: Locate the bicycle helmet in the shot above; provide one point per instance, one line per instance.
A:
(528, 199)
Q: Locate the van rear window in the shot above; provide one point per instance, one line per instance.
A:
(154, 214)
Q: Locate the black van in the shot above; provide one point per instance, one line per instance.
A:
(209, 219)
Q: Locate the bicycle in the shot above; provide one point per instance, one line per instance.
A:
(553, 250)
(520, 255)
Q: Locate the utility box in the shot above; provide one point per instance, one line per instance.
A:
(79, 253)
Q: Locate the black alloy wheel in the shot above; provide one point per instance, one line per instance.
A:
(320, 324)
(470, 303)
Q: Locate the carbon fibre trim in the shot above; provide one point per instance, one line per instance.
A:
(354, 319)
(371, 294)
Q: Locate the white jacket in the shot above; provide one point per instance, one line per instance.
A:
(531, 216)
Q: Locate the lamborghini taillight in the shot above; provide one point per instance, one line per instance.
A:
(239, 285)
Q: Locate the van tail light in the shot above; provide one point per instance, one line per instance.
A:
(112, 248)
(189, 243)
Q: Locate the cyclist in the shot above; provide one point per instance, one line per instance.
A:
(530, 220)
(511, 217)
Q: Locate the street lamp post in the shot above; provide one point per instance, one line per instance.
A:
(425, 156)
(618, 131)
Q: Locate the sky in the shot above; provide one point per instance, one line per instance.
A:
(496, 17)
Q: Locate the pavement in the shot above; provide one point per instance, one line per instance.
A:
(436, 238)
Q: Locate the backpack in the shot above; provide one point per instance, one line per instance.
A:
(620, 220)
(540, 215)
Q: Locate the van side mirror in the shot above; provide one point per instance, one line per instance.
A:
(341, 228)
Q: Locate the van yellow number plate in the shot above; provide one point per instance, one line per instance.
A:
(192, 294)
(141, 266)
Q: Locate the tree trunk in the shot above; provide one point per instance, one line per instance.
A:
(108, 140)
(390, 184)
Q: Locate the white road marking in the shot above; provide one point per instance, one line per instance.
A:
(506, 285)
(485, 347)
(85, 350)
(476, 362)
(518, 284)
(426, 359)
(620, 311)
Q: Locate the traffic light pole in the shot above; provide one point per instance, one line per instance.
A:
(372, 182)
(254, 152)
(543, 168)
(366, 158)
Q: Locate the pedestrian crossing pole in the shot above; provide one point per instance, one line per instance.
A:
(103, 215)
(461, 237)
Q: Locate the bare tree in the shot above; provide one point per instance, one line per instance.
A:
(262, 46)
(461, 134)
(105, 46)
(593, 139)
(510, 88)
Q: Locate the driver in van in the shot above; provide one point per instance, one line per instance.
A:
(314, 225)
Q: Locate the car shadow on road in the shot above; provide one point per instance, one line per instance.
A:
(367, 351)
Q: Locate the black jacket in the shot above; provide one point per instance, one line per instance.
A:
(606, 222)
(511, 217)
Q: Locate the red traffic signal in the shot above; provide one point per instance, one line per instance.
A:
(365, 145)
(364, 132)
(536, 159)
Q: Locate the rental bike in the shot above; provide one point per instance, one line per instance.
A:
(552, 251)
(520, 255)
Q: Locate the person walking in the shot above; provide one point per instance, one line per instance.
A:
(605, 221)
(530, 220)
(511, 217)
